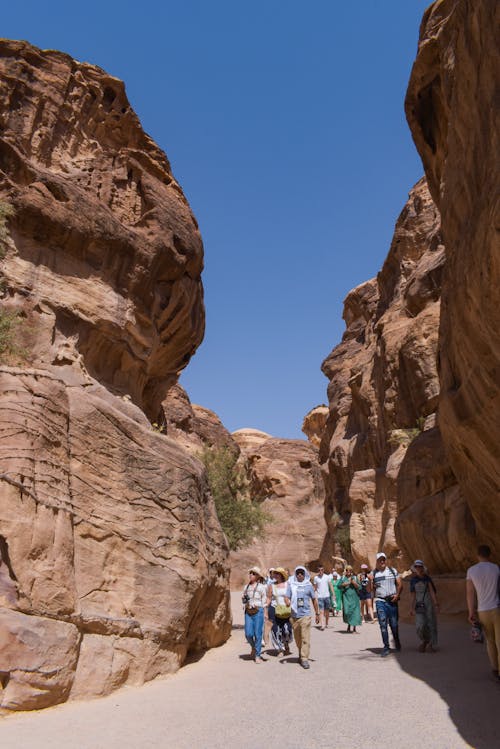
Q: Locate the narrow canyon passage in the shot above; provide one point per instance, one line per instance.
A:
(349, 698)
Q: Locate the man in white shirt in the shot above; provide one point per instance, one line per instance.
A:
(323, 593)
(482, 585)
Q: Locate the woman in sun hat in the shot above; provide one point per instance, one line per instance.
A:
(424, 606)
(281, 632)
(254, 600)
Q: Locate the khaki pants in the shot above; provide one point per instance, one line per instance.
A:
(302, 635)
(491, 625)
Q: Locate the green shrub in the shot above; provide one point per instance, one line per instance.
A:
(242, 518)
(6, 211)
(9, 322)
(343, 538)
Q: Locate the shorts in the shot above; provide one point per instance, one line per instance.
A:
(364, 595)
(324, 604)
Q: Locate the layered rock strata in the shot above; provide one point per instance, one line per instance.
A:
(284, 475)
(450, 106)
(114, 565)
(389, 483)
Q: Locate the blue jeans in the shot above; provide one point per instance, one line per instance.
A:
(254, 626)
(387, 613)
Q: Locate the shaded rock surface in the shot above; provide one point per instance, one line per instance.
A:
(450, 106)
(285, 477)
(389, 483)
(114, 563)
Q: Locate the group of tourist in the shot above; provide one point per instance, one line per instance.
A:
(278, 605)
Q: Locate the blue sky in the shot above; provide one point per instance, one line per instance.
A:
(284, 124)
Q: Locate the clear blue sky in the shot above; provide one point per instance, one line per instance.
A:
(284, 124)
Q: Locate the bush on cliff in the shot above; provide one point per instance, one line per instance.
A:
(241, 518)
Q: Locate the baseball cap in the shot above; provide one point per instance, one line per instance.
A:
(381, 555)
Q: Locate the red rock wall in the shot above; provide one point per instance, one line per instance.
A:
(451, 111)
(389, 483)
(114, 563)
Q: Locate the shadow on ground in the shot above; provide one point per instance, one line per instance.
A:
(460, 673)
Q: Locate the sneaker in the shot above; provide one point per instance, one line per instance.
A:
(305, 664)
(322, 628)
(281, 653)
(385, 652)
(258, 659)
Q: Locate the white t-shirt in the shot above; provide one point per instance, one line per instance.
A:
(321, 583)
(484, 577)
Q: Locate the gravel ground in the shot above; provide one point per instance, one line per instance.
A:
(350, 697)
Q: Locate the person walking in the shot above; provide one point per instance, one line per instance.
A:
(299, 595)
(268, 622)
(386, 589)
(254, 600)
(337, 574)
(321, 586)
(483, 602)
(351, 610)
(365, 594)
(281, 632)
(424, 606)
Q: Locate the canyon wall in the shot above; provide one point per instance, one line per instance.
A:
(114, 565)
(285, 477)
(389, 483)
(452, 110)
(411, 453)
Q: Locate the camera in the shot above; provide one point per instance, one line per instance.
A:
(245, 598)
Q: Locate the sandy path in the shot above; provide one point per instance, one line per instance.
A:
(349, 698)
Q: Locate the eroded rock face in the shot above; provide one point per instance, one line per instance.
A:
(108, 255)
(382, 432)
(314, 424)
(451, 112)
(285, 476)
(114, 562)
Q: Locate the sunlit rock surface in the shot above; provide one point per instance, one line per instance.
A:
(114, 563)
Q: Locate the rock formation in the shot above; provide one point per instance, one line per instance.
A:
(114, 563)
(389, 484)
(411, 449)
(450, 106)
(285, 476)
(314, 424)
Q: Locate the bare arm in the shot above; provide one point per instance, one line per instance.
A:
(471, 601)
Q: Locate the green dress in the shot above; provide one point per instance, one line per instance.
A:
(338, 594)
(351, 610)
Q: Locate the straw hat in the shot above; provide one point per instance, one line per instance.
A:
(256, 571)
(282, 571)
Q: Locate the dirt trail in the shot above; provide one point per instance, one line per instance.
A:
(349, 698)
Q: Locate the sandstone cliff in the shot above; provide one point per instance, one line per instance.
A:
(389, 484)
(451, 108)
(285, 476)
(114, 563)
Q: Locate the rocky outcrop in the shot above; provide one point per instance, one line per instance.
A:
(114, 562)
(284, 475)
(314, 424)
(108, 255)
(194, 426)
(451, 112)
(386, 489)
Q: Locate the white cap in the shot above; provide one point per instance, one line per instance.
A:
(381, 555)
